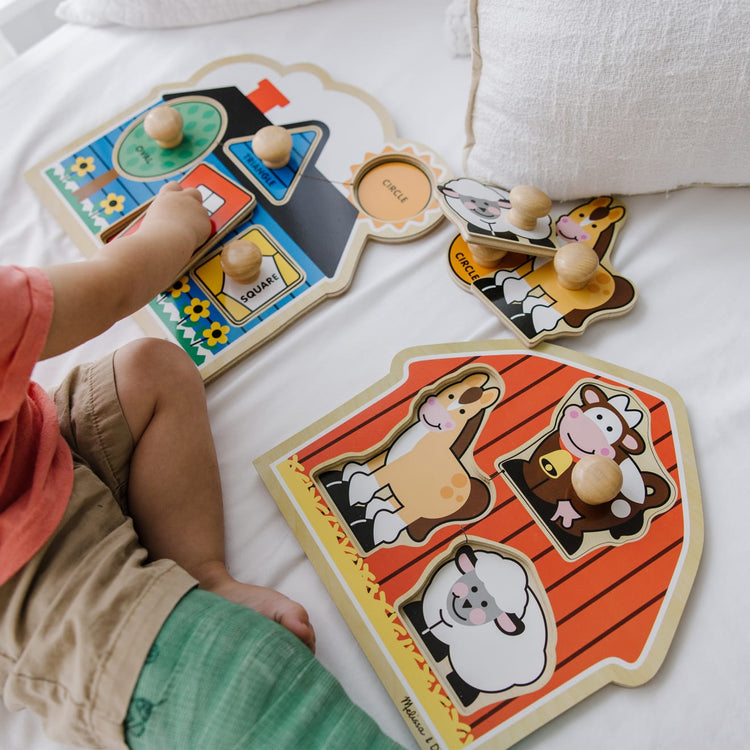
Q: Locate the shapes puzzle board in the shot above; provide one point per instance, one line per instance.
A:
(438, 508)
(349, 179)
(522, 287)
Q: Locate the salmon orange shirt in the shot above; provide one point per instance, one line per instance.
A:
(36, 467)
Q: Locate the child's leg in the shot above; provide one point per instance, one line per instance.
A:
(223, 677)
(174, 490)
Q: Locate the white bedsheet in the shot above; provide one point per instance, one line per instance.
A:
(687, 253)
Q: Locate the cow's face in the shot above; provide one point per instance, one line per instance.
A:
(599, 426)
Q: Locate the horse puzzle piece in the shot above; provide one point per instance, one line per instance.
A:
(529, 276)
(443, 516)
(321, 171)
(420, 479)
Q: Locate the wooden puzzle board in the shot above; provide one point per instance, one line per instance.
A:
(350, 178)
(604, 605)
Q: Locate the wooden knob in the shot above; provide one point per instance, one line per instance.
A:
(596, 479)
(575, 265)
(240, 260)
(164, 125)
(489, 257)
(527, 204)
(273, 146)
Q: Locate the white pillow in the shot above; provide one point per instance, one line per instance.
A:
(456, 26)
(165, 13)
(593, 97)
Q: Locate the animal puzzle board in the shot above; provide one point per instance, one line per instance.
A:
(438, 508)
(349, 179)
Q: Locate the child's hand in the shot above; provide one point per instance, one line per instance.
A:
(178, 219)
(128, 271)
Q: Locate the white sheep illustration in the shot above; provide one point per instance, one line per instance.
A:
(479, 611)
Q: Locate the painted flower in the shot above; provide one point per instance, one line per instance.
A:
(198, 308)
(83, 165)
(112, 203)
(180, 287)
(216, 334)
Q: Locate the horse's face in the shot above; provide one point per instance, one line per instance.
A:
(586, 223)
(450, 409)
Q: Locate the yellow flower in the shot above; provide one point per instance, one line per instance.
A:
(197, 309)
(112, 203)
(180, 287)
(83, 165)
(216, 334)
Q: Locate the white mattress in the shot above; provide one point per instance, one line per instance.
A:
(687, 253)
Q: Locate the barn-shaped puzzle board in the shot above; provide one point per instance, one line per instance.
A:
(349, 179)
(438, 508)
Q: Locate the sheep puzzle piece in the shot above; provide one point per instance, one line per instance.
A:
(308, 213)
(440, 509)
(543, 278)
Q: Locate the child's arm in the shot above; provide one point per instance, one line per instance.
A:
(128, 272)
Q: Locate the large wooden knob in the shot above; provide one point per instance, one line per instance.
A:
(164, 125)
(596, 479)
(241, 260)
(527, 204)
(575, 265)
(273, 146)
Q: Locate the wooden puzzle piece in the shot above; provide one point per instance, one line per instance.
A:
(423, 476)
(553, 280)
(606, 589)
(592, 422)
(484, 622)
(341, 177)
(226, 202)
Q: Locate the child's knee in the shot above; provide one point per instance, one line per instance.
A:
(158, 368)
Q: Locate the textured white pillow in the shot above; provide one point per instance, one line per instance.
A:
(456, 26)
(592, 97)
(165, 13)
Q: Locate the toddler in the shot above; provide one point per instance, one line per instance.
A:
(119, 623)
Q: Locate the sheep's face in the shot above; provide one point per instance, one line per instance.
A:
(469, 601)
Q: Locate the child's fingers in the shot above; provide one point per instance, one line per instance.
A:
(194, 193)
(174, 187)
(168, 187)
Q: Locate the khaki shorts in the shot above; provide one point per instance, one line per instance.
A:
(77, 622)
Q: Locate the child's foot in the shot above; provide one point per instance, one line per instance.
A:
(268, 602)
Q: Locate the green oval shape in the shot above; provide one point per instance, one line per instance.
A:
(140, 158)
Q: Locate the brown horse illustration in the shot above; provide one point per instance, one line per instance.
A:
(424, 476)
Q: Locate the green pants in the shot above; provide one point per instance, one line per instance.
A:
(222, 677)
